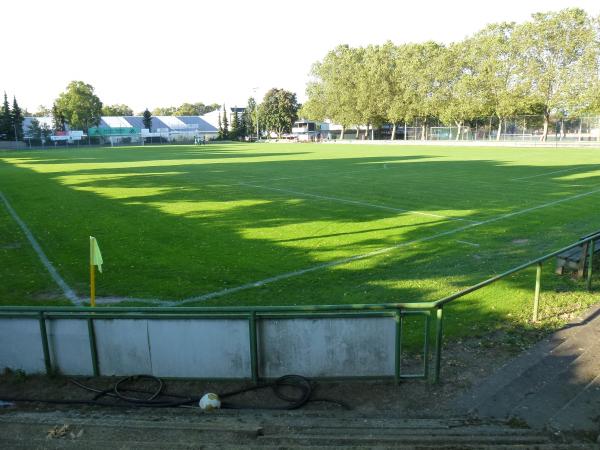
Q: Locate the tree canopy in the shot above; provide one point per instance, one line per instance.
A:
(549, 65)
(278, 111)
(117, 110)
(79, 106)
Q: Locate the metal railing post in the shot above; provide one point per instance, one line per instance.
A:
(590, 264)
(398, 345)
(439, 315)
(45, 347)
(426, 351)
(536, 296)
(93, 351)
(253, 347)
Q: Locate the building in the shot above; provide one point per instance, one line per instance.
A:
(116, 129)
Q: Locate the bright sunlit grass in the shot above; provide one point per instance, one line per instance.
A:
(179, 222)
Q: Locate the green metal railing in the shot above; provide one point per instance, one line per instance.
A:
(398, 311)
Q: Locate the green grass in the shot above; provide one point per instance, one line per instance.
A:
(175, 222)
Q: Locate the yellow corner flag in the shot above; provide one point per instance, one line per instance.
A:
(95, 255)
(95, 260)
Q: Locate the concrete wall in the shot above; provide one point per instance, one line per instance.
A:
(204, 348)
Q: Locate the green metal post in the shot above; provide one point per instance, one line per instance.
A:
(45, 347)
(536, 297)
(439, 315)
(93, 352)
(590, 264)
(253, 347)
(426, 347)
(398, 345)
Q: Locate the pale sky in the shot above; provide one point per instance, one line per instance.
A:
(162, 53)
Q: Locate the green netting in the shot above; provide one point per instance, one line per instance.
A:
(116, 131)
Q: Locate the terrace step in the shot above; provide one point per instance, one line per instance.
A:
(546, 382)
(262, 430)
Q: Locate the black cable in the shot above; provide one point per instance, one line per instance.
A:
(300, 393)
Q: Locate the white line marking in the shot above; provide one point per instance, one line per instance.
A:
(355, 202)
(381, 251)
(468, 243)
(547, 173)
(67, 291)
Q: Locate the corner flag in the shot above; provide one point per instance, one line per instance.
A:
(95, 255)
(95, 260)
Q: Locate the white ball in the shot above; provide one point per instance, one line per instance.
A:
(209, 402)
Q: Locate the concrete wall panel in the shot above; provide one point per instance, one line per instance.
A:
(70, 346)
(200, 348)
(123, 346)
(327, 347)
(21, 345)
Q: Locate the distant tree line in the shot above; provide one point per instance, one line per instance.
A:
(186, 109)
(547, 66)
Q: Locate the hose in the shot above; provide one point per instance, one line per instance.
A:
(295, 390)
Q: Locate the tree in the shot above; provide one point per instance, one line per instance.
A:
(235, 125)
(42, 111)
(80, 107)
(559, 59)
(225, 124)
(58, 119)
(249, 118)
(17, 120)
(147, 119)
(117, 110)
(5, 120)
(220, 127)
(279, 110)
(166, 111)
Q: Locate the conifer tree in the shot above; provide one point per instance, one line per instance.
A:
(220, 130)
(235, 125)
(5, 120)
(225, 123)
(17, 120)
(147, 119)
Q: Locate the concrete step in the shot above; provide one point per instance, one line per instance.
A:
(581, 412)
(537, 370)
(551, 397)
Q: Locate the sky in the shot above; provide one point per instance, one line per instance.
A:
(162, 53)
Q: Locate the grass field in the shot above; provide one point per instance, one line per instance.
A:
(261, 224)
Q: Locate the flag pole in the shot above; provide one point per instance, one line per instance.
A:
(92, 275)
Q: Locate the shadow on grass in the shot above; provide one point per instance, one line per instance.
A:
(179, 230)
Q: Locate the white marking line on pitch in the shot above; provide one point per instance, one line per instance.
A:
(468, 243)
(381, 251)
(356, 202)
(69, 293)
(546, 173)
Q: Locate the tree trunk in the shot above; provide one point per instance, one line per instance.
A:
(357, 132)
(546, 123)
(423, 131)
(343, 131)
(499, 129)
(562, 129)
(394, 132)
(367, 133)
(372, 133)
(458, 129)
(580, 129)
(405, 132)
